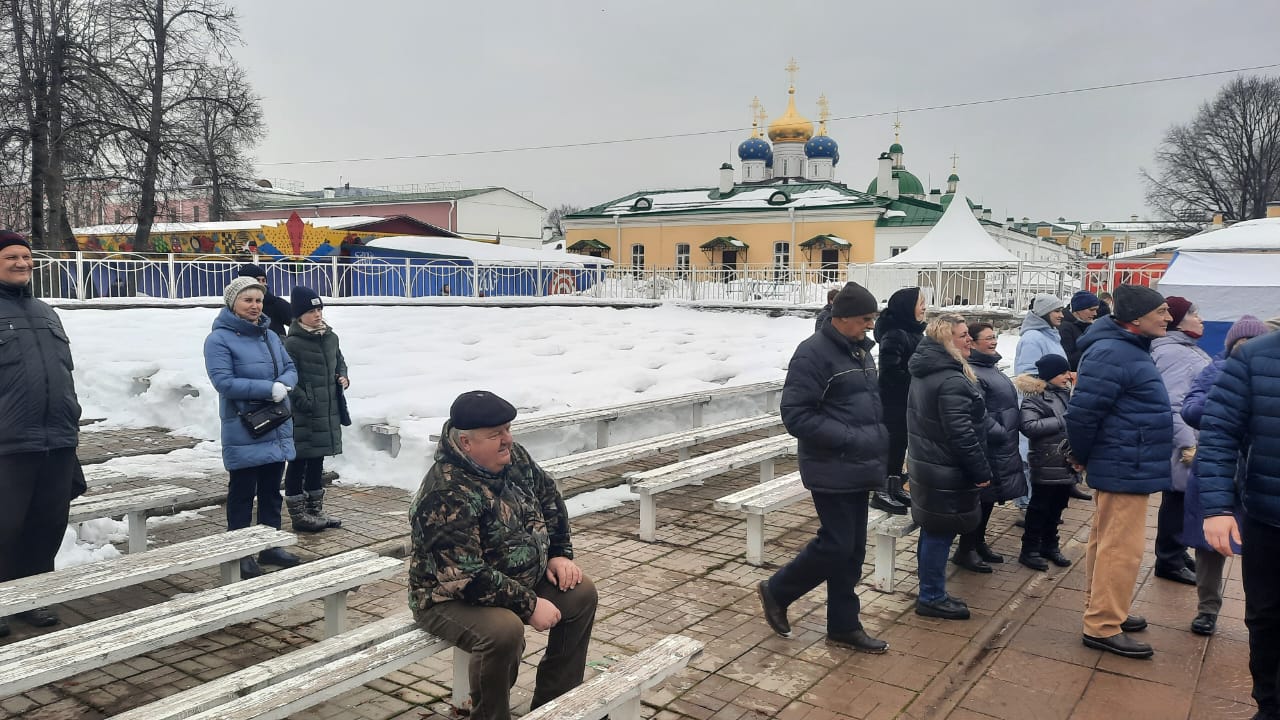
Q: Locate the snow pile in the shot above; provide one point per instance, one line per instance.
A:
(77, 550)
(407, 364)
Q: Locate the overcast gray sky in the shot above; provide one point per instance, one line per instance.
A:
(379, 78)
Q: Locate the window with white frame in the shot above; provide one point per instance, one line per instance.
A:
(1117, 247)
(1139, 246)
(637, 257)
(1095, 247)
(682, 257)
(781, 260)
(896, 251)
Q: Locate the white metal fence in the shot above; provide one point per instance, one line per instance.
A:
(81, 276)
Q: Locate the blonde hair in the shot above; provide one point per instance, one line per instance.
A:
(942, 329)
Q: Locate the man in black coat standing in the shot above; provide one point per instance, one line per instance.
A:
(831, 404)
(273, 306)
(39, 427)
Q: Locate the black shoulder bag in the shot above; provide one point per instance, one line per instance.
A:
(263, 416)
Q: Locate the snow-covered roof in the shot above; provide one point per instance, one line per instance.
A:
(742, 198)
(336, 223)
(957, 238)
(483, 252)
(1262, 234)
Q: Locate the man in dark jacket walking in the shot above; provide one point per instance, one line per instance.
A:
(831, 404)
(1239, 422)
(39, 426)
(825, 313)
(273, 306)
(1121, 432)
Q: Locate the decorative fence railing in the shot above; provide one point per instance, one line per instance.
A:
(81, 276)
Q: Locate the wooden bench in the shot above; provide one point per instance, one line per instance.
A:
(43, 659)
(583, 462)
(603, 417)
(97, 476)
(649, 483)
(616, 691)
(131, 504)
(759, 500)
(80, 581)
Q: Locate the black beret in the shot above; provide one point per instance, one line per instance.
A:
(480, 409)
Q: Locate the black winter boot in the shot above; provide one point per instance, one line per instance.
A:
(303, 520)
(897, 490)
(883, 500)
(315, 506)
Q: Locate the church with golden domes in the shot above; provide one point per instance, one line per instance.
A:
(785, 209)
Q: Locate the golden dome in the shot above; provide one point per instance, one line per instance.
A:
(791, 126)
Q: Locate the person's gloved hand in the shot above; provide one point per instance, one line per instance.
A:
(278, 392)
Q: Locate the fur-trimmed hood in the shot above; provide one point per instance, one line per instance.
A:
(1029, 384)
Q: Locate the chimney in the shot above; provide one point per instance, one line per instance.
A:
(935, 196)
(328, 192)
(1133, 218)
(726, 179)
(893, 187)
(884, 174)
(986, 214)
(977, 211)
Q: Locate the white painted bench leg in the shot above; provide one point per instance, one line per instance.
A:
(648, 517)
(766, 470)
(682, 453)
(395, 445)
(335, 614)
(602, 433)
(772, 400)
(137, 531)
(755, 539)
(461, 679)
(886, 549)
(230, 571)
(628, 710)
(697, 414)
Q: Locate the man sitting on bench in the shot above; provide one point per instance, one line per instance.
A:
(492, 553)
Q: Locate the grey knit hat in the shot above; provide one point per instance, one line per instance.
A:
(238, 286)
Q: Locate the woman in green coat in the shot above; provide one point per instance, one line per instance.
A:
(317, 414)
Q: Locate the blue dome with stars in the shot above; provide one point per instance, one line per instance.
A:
(754, 149)
(822, 146)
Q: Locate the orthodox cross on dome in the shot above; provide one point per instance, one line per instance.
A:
(761, 114)
(897, 125)
(757, 112)
(792, 68)
(954, 159)
(824, 113)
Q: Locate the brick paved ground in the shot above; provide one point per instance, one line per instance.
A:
(1019, 657)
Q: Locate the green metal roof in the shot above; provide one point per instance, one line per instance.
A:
(953, 178)
(792, 189)
(895, 148)
(726, 242)
(908, 184)
(918, 212)
(589, 244)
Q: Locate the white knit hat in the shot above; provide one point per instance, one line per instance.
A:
(238, 286)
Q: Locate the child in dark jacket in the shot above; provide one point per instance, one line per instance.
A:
(1044, 404)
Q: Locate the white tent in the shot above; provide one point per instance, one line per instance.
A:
(957, 239)
(950, 263)
(1224, 286)
(1261, 235)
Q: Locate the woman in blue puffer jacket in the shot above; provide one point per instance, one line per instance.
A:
(1209, 564)
(248, 366)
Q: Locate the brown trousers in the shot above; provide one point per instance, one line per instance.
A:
(495, 639)
(1111, 563)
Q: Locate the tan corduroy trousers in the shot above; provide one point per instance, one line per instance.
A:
(1111, 563)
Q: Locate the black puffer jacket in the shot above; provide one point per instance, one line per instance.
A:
(898, 333)
(946, 453)
(831, 404)
(317, 429)
(1003, 420)
(279, 311)
(1043, 408)
(38, 406)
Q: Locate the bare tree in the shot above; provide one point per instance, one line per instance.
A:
(215, 132)
(1226, 160)
(555, 218)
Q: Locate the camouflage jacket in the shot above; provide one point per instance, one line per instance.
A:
(482, 538)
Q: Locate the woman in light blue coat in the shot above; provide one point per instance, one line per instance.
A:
(248, 366)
